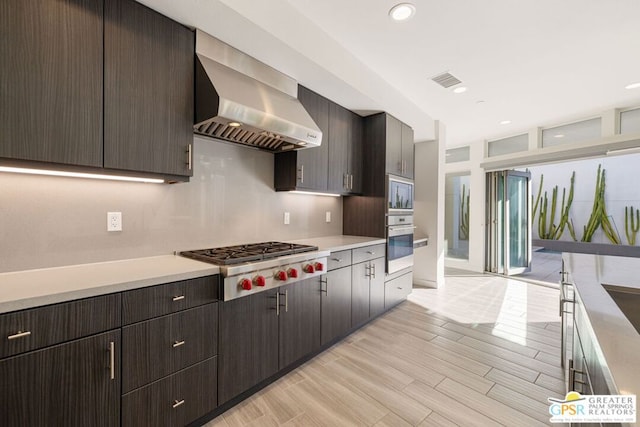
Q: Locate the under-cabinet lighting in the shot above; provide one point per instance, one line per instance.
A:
(402, 12)
(621, 151)
(560, 135)
(633, 85)
(79, 175)
(314, 193)
(234, 124)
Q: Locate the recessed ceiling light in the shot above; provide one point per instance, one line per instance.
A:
(505, 122)
(480, 102)
(559, 135)
(460, 89)
(402, 11)
(633, 85)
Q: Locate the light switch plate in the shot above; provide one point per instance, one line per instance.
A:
(287, 218)
(327, 216)
(114, 221)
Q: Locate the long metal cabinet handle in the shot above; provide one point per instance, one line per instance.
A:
(345, 180)
(277, 303)
(189, 156)
(177, 403)
(286, 300)
(112, 360)
(373, 268)
(336, 259)
(326, 285)
(350, 182)
(20, 334)
(178, 298)
(301, 174)
(178, 344)
(367, 270)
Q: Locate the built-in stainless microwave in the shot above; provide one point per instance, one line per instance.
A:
(399, 195)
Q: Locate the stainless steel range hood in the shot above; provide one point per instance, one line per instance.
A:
(243, 100)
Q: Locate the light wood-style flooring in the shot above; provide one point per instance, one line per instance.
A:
(481, 351)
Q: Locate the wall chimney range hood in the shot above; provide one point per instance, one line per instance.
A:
(242, 100)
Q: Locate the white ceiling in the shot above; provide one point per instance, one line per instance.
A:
(535, 62)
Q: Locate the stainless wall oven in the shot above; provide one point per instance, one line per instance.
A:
(399, 242)
(399, 195)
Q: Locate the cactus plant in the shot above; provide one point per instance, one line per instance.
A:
(599, 217)
(464, 214)
(547, 228)
(631, 224)
(535, 205)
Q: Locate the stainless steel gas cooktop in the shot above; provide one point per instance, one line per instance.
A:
(257, 267)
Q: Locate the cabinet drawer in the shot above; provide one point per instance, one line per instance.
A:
(158, 347)
(44, 326)
(368, 252)
(338, 260)
(396, 290)
(146, 303)
(174, 401)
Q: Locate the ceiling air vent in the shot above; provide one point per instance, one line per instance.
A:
(446, 80)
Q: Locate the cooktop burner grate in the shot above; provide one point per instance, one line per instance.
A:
(247, 253)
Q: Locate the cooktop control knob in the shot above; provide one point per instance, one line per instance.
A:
(308, 268)
(319, 266)
(245, 284)
(281, 275)
(259, 281)
(292, 273)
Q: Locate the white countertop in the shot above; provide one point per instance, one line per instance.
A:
(340, 243)
(32, 288)
(615, 335)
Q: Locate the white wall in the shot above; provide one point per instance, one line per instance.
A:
(54, 221)
(621, 189)
(428, 269)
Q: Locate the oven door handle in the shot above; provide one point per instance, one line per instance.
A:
(399, 231)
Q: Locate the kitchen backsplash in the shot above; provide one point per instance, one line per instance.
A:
(55, 221)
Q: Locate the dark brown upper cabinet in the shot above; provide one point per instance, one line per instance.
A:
(100, 86)
(306, 169)
(345, 150)
(389, 148)
(148, 78)
(399, 147)
(335, 166)
(51, 78)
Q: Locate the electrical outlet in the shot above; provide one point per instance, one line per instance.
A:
(287, 218)
(327, 216)
(114, 221)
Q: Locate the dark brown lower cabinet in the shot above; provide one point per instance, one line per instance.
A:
(258, 338)
(396, 290)
(72, 384)
(360, 294)
(299, 321)
(376, 285)
(367, 291)
(176, 400)
(336, 304)
(248, 343)
(161, 346)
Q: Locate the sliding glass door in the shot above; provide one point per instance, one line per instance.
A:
(508, 222)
